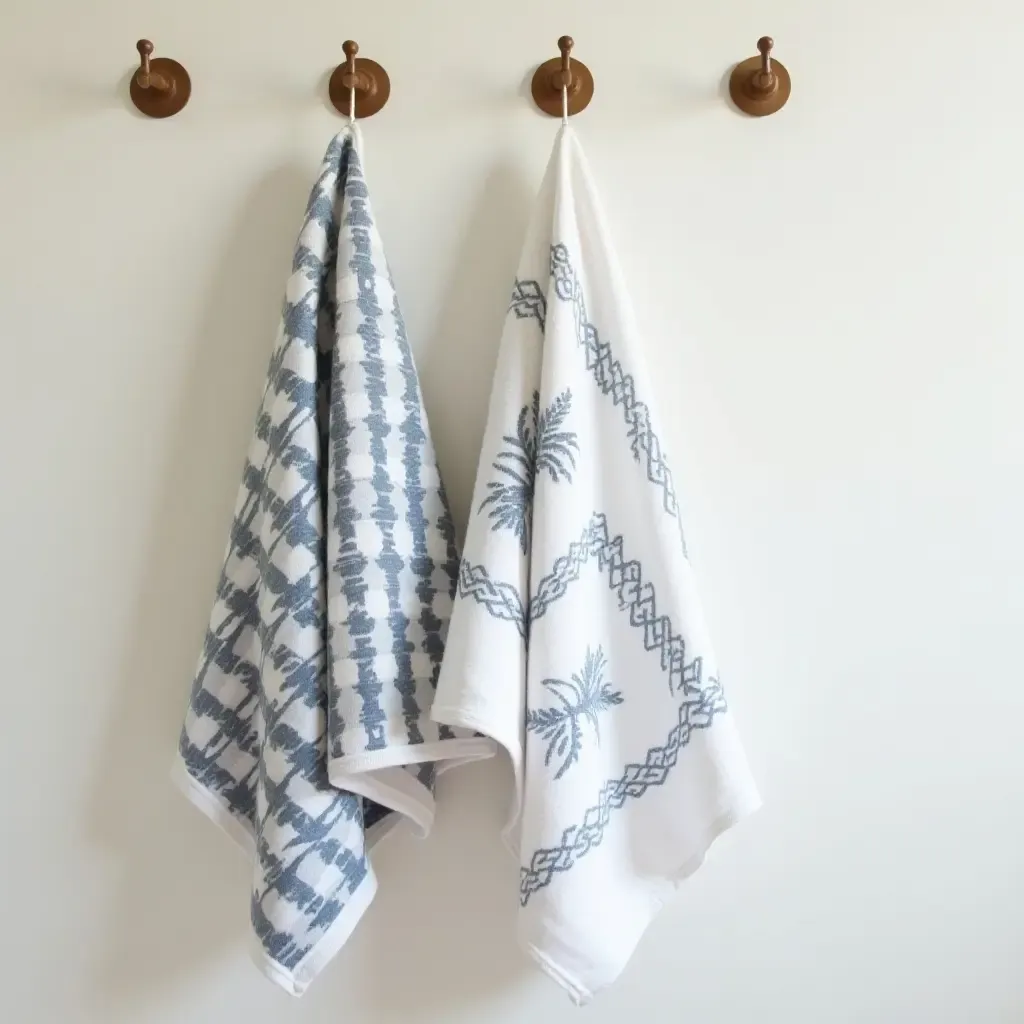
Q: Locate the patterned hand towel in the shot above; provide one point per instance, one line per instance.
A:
(577, 640)
(309, 722)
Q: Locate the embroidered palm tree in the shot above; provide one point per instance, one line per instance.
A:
(539, 443)
(585, 697)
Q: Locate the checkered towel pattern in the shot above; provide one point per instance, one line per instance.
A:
(309, 718)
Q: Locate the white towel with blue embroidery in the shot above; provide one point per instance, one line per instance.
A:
(577, 640)
(309, 719)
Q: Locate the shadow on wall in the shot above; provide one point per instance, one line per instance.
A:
(442, 936)
(458, 362)
(439, 941)
(182, 889)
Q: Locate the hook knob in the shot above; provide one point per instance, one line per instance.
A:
(765, 80)
(760, 85)
(350, 79)
(161, 86)
(564, 76)
(145, 76)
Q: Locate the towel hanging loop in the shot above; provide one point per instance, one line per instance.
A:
(760, 85)
(366, 77)
(161, 86)
(564, 71)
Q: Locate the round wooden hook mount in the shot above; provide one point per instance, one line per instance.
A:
(747, 93)
(154, 101)
(372, 90)
(547, 89)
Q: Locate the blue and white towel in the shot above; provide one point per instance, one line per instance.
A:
(577, 640)
(309, 721)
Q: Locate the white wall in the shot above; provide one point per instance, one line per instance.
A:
(833, 306)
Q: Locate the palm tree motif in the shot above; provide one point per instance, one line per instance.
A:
(585, 697)
(538, 443)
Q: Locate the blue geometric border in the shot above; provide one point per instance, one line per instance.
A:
(528, 300)
(501, 600)
(626, 578)
(701, 702)
(697, 711)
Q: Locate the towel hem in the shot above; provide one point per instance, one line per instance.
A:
(469, 749)
(718, 827)
(689, 866)
(211, 807)
(380, 775)
(577, 993)
(296, 981)
(391, 787)
(459, 718)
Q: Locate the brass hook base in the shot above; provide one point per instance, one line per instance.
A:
(154, 102)
(743, 88)
(547, 89)
(372, 92)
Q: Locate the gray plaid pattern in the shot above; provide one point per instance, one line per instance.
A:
(332, 608)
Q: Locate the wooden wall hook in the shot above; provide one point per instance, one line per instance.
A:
(760, 85)
(549, 78)
(370, 81)
(161, 86)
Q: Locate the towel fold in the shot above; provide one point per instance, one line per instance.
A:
(308, 723)
(577, 640)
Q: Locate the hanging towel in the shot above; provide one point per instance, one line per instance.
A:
(308, 723)
(577, 640)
